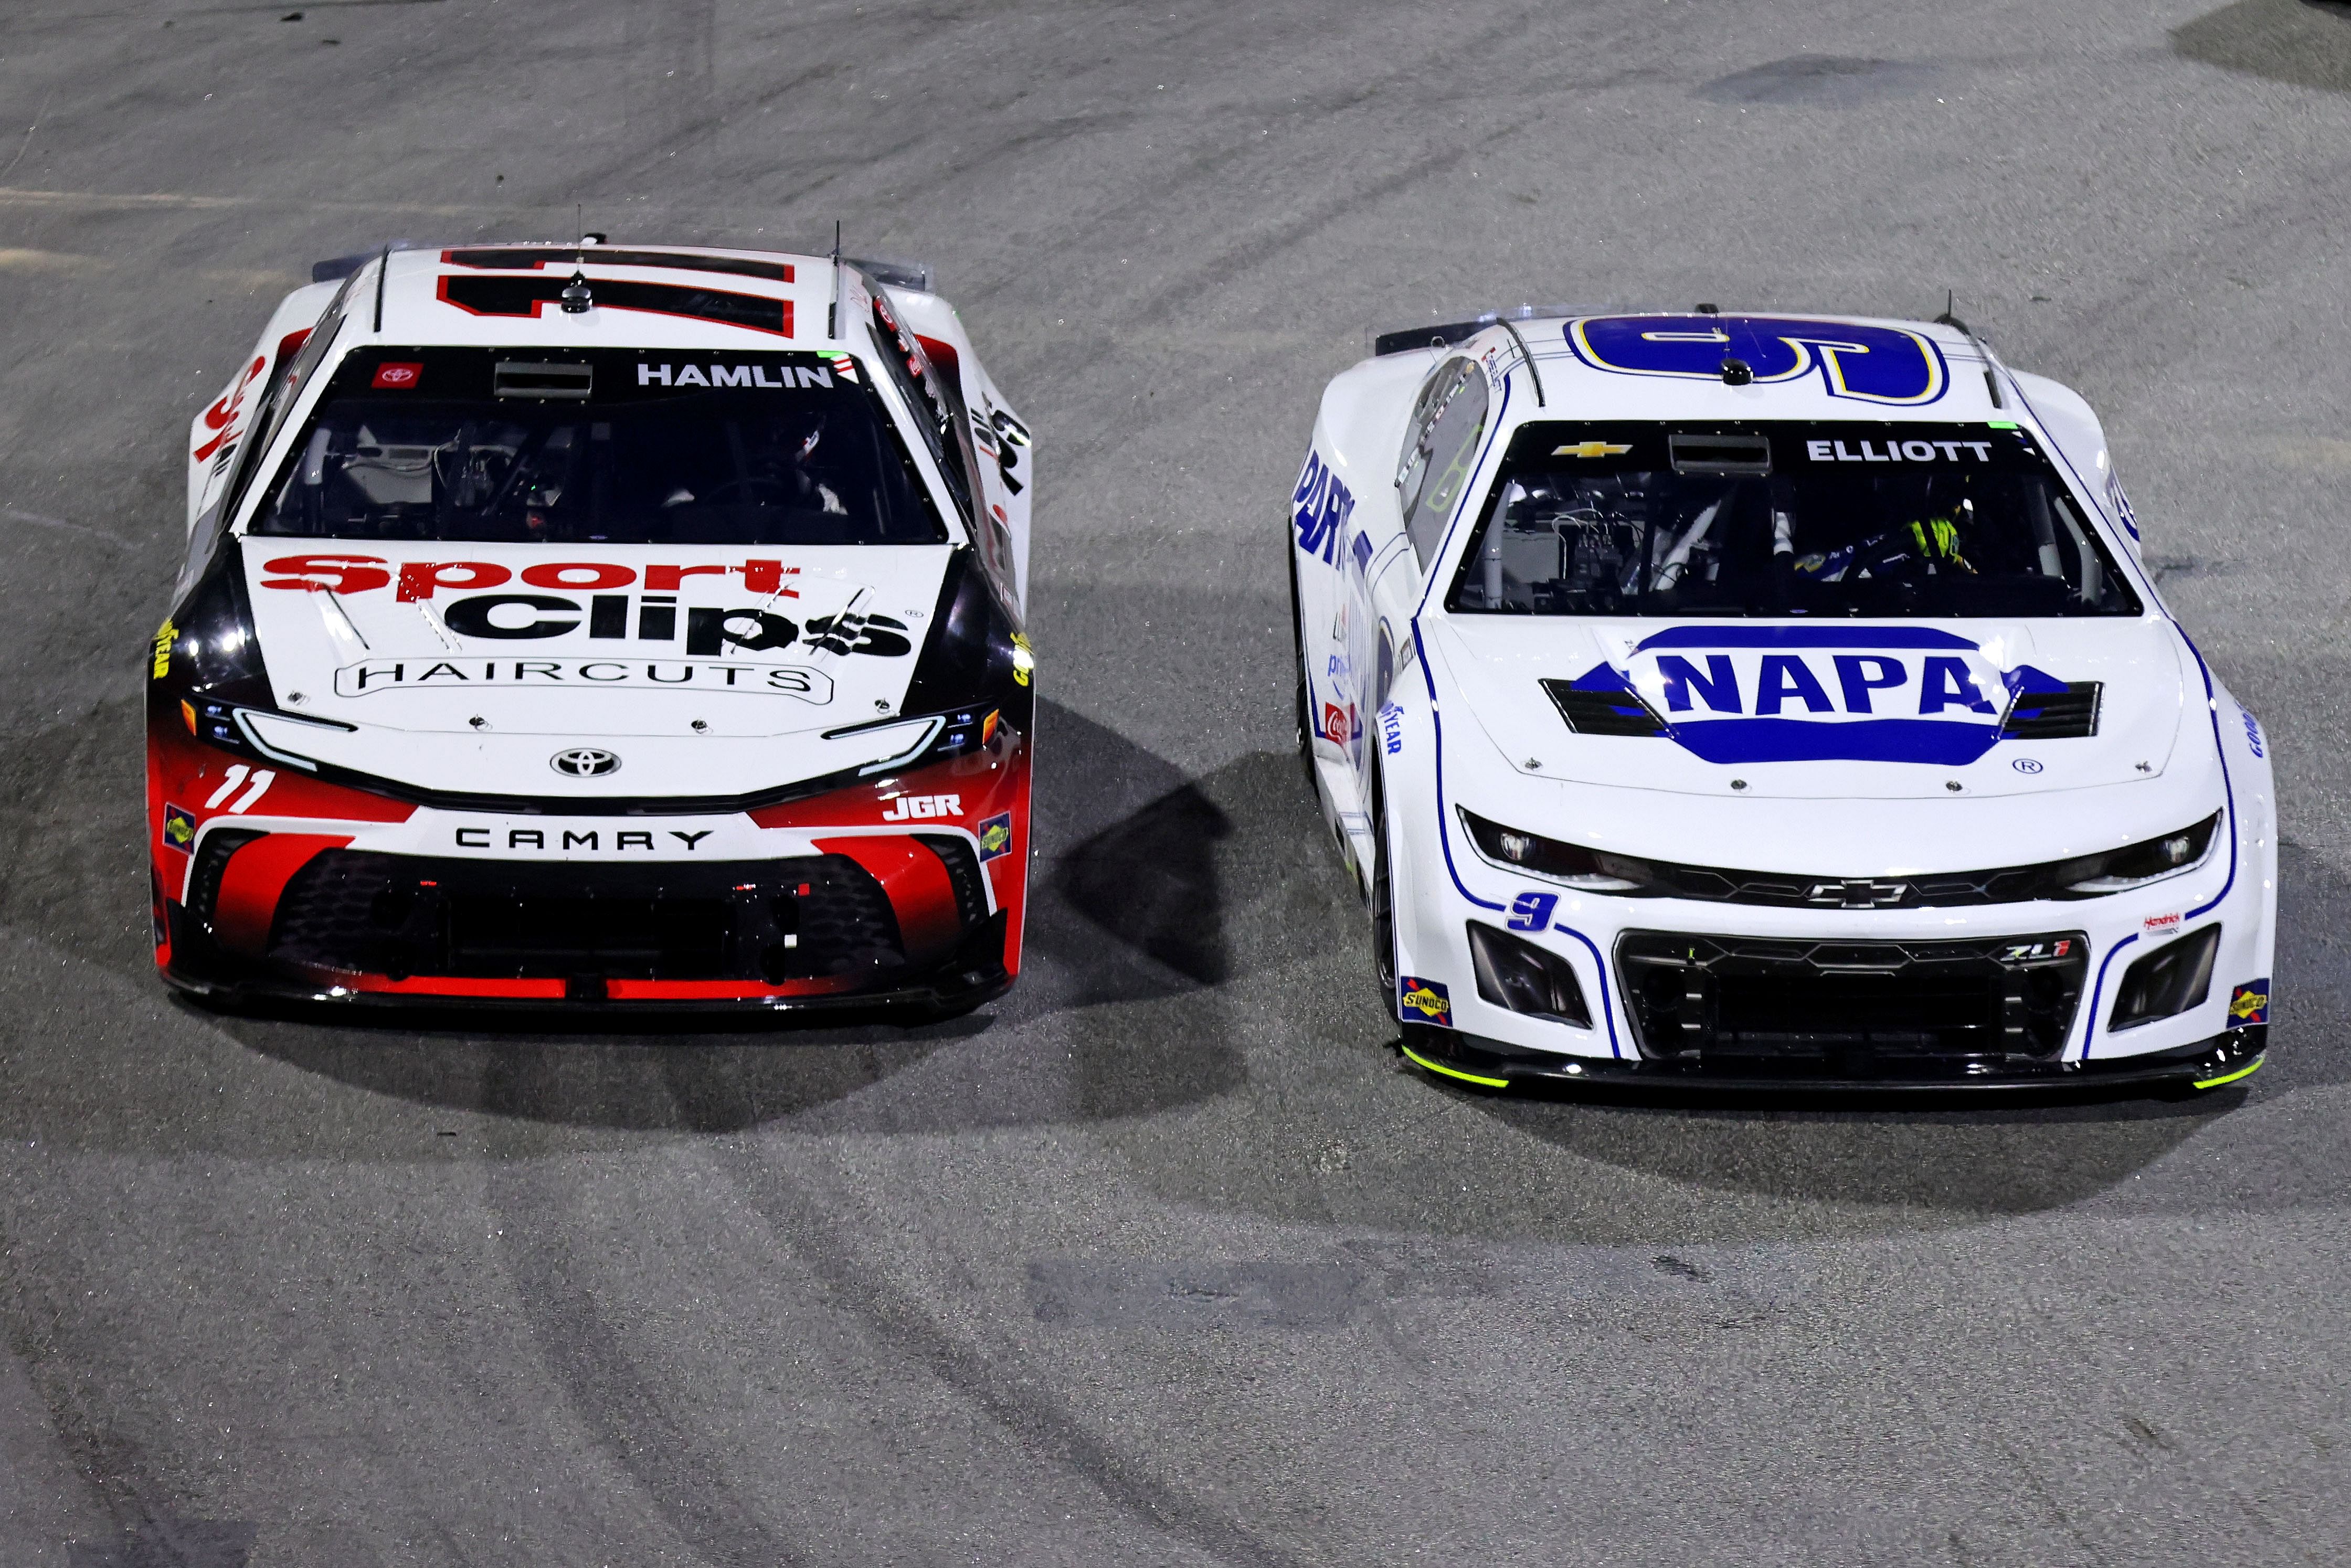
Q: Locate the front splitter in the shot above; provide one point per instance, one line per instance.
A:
(904, 1004)
(1450, 1054)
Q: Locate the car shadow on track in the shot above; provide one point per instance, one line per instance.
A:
(1958, 1153)
(1128, 911)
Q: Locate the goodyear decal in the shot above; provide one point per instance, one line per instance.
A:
(1818, 694)
(1424, 1001)
(1867, 364)
(167, 631)
(996, 836)
(2250, 1004)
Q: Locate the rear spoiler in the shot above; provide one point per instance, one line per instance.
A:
(337, 268)
(918, 276)
(1446, 334)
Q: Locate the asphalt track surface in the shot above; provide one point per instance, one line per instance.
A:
(1164, 1258)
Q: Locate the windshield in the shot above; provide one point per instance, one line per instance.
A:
(619, 446)
(1856, 518)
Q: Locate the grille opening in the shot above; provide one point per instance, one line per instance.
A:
(1853, 1009)
(403, 915)
(632, 938)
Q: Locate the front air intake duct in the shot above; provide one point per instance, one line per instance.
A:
(2169, 981)
(1525, 979)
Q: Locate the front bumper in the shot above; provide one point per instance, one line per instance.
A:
(902, 896)
(1737, 994)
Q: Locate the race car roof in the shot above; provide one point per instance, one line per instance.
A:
(686, 297)
(1798, 366)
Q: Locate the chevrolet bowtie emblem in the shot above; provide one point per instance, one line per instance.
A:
(1591, 449)
(1858, 895)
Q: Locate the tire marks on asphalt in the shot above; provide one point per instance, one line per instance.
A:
(589, 1359)
(1044, 1424)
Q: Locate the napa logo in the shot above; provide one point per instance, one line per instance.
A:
(1319, 509)
(1424, 1001)
(1821, 693)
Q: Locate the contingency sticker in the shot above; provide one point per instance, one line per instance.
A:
(996, 836)
(1424, 1001)
(2250, 1004)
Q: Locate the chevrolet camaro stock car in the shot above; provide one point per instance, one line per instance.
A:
(584, 626)
(1749, 700)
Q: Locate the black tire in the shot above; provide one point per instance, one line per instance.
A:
(1303, 705)
(1382, 896)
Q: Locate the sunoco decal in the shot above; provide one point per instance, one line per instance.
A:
(1424, 1001)
(1855, 694)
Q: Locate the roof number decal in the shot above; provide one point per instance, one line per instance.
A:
(1869, 364)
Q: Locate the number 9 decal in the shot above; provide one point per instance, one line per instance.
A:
(1531, 911)
(1870, 364)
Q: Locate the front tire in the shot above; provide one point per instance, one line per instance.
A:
(1303, 705)
(1382, 895)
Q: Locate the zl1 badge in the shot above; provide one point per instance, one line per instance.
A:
(2250, 1004)
(1424, 1001)
(996, 836)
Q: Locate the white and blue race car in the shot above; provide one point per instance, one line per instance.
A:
(1749, 700)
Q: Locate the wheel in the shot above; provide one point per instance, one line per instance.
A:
(1303, 703)
(1383, 900)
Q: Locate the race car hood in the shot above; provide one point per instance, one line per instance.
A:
(1825, 710)
(700, 670)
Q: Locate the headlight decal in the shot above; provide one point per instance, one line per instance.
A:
(2228, 826)
(1445, 841)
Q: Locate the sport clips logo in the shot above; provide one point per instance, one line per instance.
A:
(597, 601)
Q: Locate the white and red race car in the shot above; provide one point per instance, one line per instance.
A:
(1752, 700)
(577, 625)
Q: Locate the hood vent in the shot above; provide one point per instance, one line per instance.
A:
(2068, 715)
(1618, 712)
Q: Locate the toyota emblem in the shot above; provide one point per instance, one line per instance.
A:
(584, 762)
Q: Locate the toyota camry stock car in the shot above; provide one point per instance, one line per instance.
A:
(579, 625)
(1768, 700)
